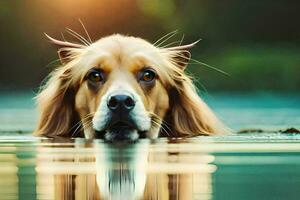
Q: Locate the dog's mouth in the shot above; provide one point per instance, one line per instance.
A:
(122, 125)
(120, 131)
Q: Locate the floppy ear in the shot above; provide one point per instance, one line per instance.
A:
(56, 106)
(63, 48)
(57, 98)
(181, 54)
(189, 115)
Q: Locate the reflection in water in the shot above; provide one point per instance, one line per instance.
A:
(204, 168)
(120, 171)
(8, 174)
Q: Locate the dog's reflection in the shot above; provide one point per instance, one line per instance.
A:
(97, 170)
(121, 170)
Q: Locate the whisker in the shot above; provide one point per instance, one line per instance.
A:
(78, 36)
(174, 61)
(178, 42)
(161, 127)
(75, 132)
(165, 126)
(80, 124)
(87, 125)
(196, 80)
(161, 124)
(182, 38)
(77, 125)
(172, 43)
(63, 37)
(85, 30)
(210, 67)
(163, 37)
(166, 39)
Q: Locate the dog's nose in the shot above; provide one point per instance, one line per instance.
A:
(120, 103)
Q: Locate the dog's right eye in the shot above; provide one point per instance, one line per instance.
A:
(95, 76)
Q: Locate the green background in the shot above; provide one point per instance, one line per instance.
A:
(256, 42)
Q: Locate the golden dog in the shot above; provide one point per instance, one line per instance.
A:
(122, 88)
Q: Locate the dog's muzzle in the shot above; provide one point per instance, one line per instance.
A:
(120, 107)
(120, 124)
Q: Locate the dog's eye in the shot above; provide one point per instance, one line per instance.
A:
(147, 75)
(95, 76)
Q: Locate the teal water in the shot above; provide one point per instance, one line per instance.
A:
(237, 166)
(232, 167)
(238, 111)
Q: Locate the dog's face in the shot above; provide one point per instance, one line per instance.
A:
(122, 91)
(122, 88)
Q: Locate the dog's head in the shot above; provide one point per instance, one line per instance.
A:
(122, 87)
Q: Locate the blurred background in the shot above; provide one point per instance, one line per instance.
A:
(256, 42)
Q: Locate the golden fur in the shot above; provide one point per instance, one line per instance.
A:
(67, 105)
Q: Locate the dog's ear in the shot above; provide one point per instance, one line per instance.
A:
(56, 105)
(64, 48)
(181, 55)
(189, 115)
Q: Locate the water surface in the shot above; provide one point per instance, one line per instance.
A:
(238, 111)
(237, 166)
(231, 167)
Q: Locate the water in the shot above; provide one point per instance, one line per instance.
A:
(239, 111)
(231, 167)
(237, 166)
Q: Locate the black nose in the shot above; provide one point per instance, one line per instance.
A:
(120, 103)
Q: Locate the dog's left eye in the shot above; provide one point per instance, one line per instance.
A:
(95, 76)
(147, 75)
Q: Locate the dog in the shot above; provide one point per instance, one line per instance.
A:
(122, 88)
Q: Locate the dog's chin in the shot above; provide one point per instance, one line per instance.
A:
(120, 132)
